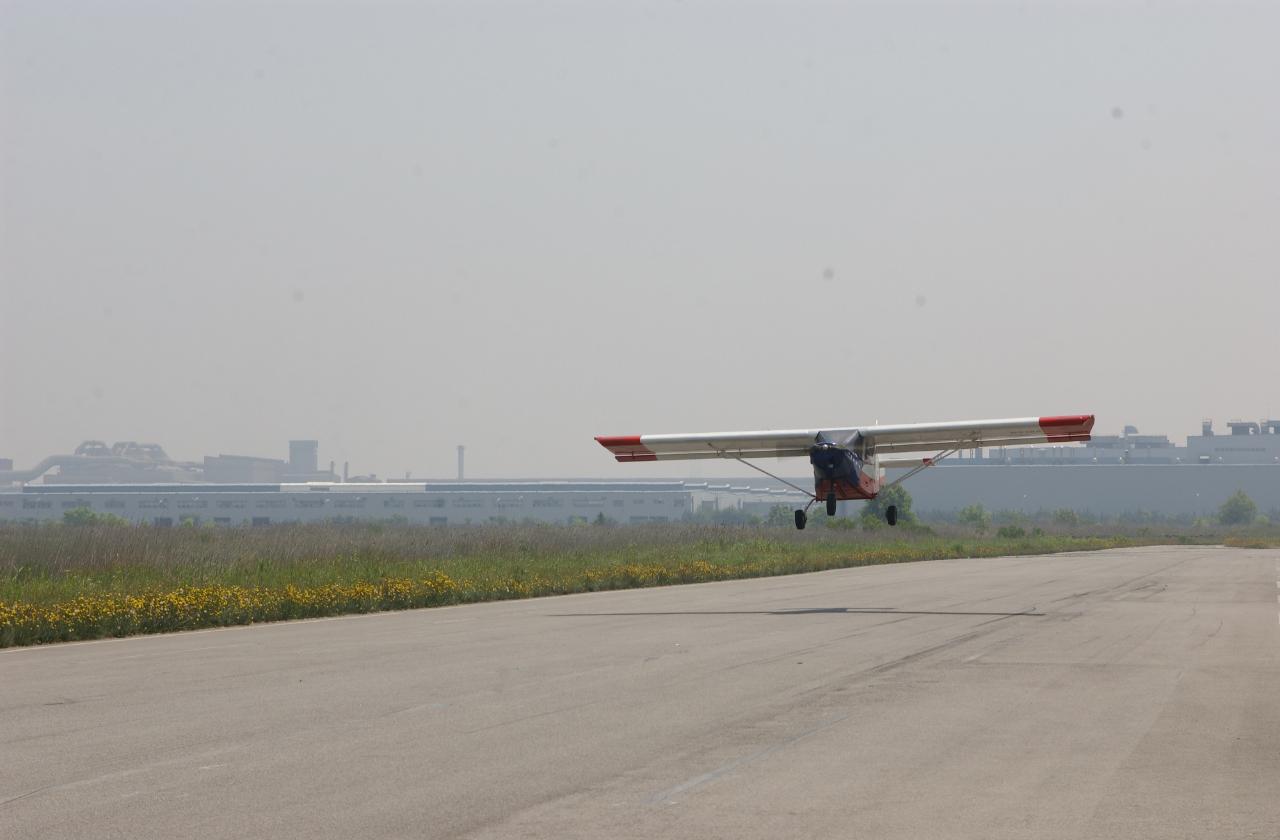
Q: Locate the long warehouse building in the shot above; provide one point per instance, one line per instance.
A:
(426, 503)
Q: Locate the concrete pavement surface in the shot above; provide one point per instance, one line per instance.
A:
(1131, 693)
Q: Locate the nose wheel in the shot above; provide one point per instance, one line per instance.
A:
(831, 504)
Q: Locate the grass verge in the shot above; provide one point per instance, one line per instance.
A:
(60, 584)
(1253, 541)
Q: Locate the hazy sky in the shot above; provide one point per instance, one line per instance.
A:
(399, 227)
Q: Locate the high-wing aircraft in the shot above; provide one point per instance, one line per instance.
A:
(850, 463)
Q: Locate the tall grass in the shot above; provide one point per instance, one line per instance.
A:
(64, 582)
(46, 563)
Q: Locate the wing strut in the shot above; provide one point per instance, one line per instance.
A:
(766, 472)
(928, 462)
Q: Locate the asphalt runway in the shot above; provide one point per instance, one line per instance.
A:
(1130, 693)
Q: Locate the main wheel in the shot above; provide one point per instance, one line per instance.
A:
(831, 504)
(801, 519)
(891, 514)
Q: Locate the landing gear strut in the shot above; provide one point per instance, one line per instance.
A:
(802, 514)
(891, 514)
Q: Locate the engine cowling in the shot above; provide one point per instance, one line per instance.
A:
(832, 461)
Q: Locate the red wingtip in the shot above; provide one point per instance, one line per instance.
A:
(1067, 428)
(626, 447)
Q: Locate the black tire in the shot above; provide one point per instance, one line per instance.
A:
(831, 504)
(801, 519)
(891, 514)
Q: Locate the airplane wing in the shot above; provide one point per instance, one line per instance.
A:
(765, 444)
(913, 437)
(969, 434)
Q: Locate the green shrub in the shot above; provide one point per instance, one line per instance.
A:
(780, 516)
(1067, 517)
(895, 495)
(976, 516)
(1238, 510)
(83, 516)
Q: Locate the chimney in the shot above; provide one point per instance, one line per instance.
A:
(462, 450)
(345, 469)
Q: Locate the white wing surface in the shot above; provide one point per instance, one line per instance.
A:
(869, 440)
(968, 434)
(765, 444)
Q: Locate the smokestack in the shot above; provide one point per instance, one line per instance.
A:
(462, 451)
(345, 466)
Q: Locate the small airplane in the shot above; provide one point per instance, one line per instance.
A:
(848, 463)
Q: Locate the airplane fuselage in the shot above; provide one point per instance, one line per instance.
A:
(839, 470)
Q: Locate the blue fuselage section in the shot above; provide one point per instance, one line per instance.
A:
(838, 471)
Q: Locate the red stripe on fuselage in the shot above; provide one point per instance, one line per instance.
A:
(846, 490)
(1067, 428)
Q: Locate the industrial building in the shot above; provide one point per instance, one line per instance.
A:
(435, 503)
(1111, 474)
(1109, 489)
(1114, 474)
(140, 483)
(128, 462)
(1247, 442)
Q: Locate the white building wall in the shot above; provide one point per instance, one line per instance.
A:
(414, 506)
(1190, 489)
